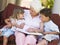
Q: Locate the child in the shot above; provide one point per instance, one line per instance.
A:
(17, 19)
(18, 23)
(50, 28)
(6, 32)
(12, 22)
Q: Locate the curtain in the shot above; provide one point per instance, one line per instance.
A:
(23, 3)
(11, 1)
(4, 3)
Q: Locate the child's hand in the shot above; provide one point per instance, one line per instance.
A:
(22, 25)
(0, 32)
(13, 24)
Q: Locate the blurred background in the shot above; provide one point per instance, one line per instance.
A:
(45, 3)
(53, 4)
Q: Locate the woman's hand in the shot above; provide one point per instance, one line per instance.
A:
(34, 30)
(31, 30)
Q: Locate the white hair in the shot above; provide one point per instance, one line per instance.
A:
(36, 4)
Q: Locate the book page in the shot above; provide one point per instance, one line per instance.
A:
(31, 33)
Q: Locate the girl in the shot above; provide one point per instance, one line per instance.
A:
(17, 18)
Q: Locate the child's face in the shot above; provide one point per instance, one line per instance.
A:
(44, 18)
(20, 16)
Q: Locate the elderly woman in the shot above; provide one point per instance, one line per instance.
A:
(32, 19)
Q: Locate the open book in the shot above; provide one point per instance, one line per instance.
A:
(50, 37)
(31, 33)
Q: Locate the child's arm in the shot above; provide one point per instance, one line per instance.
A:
(41, 27)
(50, 33)
(7, 21)
(20, 26)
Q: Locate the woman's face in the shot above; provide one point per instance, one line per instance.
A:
(32, 12)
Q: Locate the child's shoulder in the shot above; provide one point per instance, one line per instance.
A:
(52, 26)
(50, 23)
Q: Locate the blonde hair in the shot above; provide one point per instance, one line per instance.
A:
(16, 12)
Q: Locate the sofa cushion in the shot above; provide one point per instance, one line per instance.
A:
(56, 19)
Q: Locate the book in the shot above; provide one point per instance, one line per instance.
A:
(50, 37)
(31, 33)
